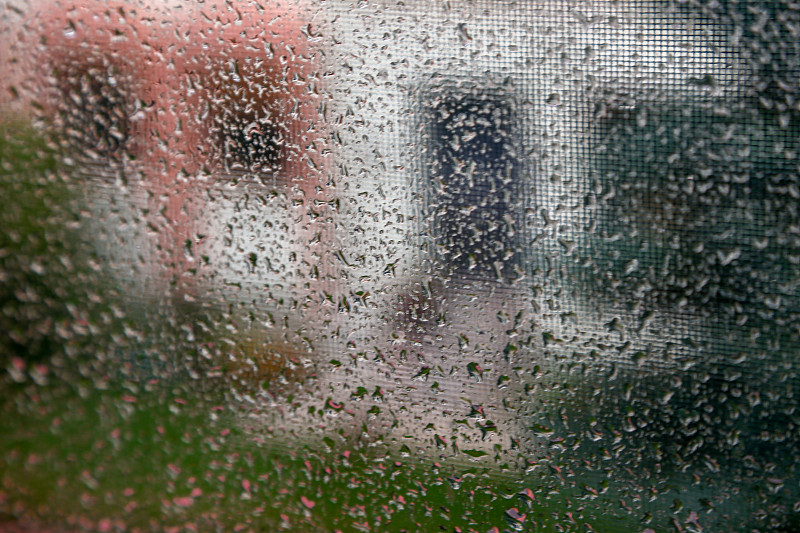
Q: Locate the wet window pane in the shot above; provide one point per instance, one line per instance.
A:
(399, 266)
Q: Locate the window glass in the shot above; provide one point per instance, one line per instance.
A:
(399, 266)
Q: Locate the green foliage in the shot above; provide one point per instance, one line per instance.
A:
(35, 237)
(145, 454)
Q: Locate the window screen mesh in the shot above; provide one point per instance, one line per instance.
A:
(399, 266)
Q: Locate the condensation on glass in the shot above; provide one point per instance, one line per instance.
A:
(399, 266)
